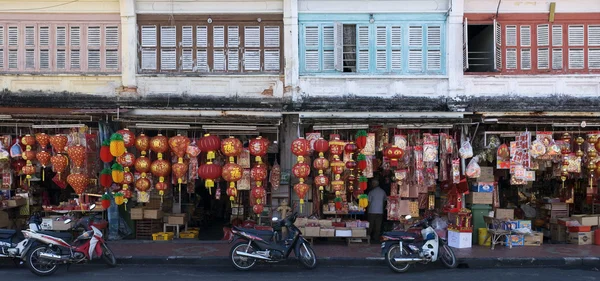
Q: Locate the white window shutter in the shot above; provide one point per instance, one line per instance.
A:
(415, 60)
(75, 36)
(594, 58)
(187, 37)
(1, 35)
(511, 58)
(13, 36)
(311, 60)
(511, 35)
(93, 59)
(330, 39)
(187, 58)
(30, 36)
(111, 36)
(93, 36)
(44, 36)
(525, 59)
(415, 54)
(311, 56)
(525, 36)
(576, 59)
(381, 42)
(111, 59)
(396, 53)
(328, 60)
(1, 58)
(233, 60)
(329, 36)
(13, 59)
(252, 36)
(594, 35)
(434, 36)
(45, 59)
(396, 60)
(272, 60)
(61, 59)
(497, 45)
(543, 58)
(466, 44)
(233, 36)
(557, 35)
(415, 36)
(311, 36)
(363, 48)
(338, 50)
(576, 35)
(219, 60)
(434, 60)
(30, 58)
(557, 59)
(168, 37)
(149, 59)
(363, 36)
(251, 60)
(61, 36)
(201, 36)
(381, 36)
(363, 58)
(219, 37)
(168, 59)
(381, 59)
(543, 35)
(271, 36)
(202, 60)
(75, 59)
(396, 36)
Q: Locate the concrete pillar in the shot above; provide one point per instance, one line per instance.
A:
(128, 44)
(290, 39)
(455, 49)
(288, 133)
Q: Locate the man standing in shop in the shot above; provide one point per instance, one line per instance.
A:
(377, 198)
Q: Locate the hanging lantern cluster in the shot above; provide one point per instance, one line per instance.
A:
(301, 170)
(58, 160)
(592, 153)
(258, 148)
(43, 156)
(179, 145)
(160, 168)
(232, 172)
(29, 156)
(321, 164)
(142, 165)
(350, 149)
(565, 150)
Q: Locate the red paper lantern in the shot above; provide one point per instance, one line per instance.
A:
(259, 173)
(59, 162)
(158, 144)
(350, 148)
(300, 147)
(231, 147)
(161, 187)
(28, 141)
(393, 153)
(321, 164)
(127, 178)
(258, 193)
(258, 147)
(258, 209)
(43, 157)
(78, 182)
(18, 164)
(28, 170)
(160, 168)
(351, 165)
(142, 165)
(362, 162)
(301, 189)
(142, 143)
(336, 146)
(58, 142)
(77, 154)
(42, 139)
(338, 185)
(142, 184)
(179, 145)
(361, 139)
(321, 146)
(232, 173)
(321, 181)
(128, 137)
(232, 193)
(301, 170)
(127, 160)
(179, 171)
(29, 155)
(337, 166)
(209, 144)
(209, 172)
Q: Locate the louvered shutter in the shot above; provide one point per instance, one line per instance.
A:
(111, 42)
(233, 60)
(272, 60)
(201, 36)
(111, 38)
(511, 58)
(543, 58)
(149, 59)
(311, 45)
(93, 43)
(1, 36)
(252, 37)
(149, 36)
(219, 36)
(576, 59)
(557, 59)
(2, 49)
(61, 59)
(75, 58)
(557, 35)
(30, 47)
(187, 36)
(187, 59)
(594, 58)
(251, 52)
(1, 59)
(233, 36)
(168, 59)
(201, 52)
(434, 43)
(30, 36)
(252, 60)
(168, 43)
(45, 59)
(415, 53)
(44, 36)
(576, 35)
(94, 59)
(13, 59)
(497, 46)
(13, 36)
(61, 36)
(187, 42)
(112, 59)
(511, 35)
(333, 47)
(381, 42)
(233, 42)
(271, 36)
(149, 43)
(44, 47)
(526, 59)
(525, 36)
(202, 60)
(594, 35)
(363, 49)
(93, 36)
(30, 58)
(466, 44)
(396, 43)
(219, 60)
(168, 37)
(272, 52)
(543, 35)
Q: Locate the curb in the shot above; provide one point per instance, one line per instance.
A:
(475, 263)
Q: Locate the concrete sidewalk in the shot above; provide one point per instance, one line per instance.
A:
(211, 253)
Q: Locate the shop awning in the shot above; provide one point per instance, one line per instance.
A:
(400, 120)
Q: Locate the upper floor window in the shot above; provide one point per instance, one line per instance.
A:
(59, 47)
(380, 47)
(533, 48)
(193, 45)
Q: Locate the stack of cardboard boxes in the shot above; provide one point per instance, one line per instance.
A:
(332, 228)
(577, 229)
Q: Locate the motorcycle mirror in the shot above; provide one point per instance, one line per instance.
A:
(93, 206)
(67, 221)
(408, 217)
(275, 219)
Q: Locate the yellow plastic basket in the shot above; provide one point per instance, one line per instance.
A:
(163, 236)
(188, 235)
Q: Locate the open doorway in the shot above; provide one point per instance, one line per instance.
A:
(481, 47)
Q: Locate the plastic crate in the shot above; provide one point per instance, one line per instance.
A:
(188, 235)
(163, 236)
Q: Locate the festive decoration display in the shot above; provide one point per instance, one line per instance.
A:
(159, 145)
(160, 168)
(127, 160)
(58, 142)
(142, 185)
(209, 144)
(161, 187)
(258, 209)
(28, 170)
(209, 172)
(78, 182)
(117, 145)
(119, 199)
(336, 146)
(179, 145)
(59, 163)
(77, 154)
(105, 154)
(117, 173)
(258, 147)
(361, 139)
(43, 140)
(363, 201)
(105, 201)
(393, 153)
(301, 148)
(106, 178)
(142, 165)
(232, 173)
(179, 171)
(44, 158)
(142, 144)
(301, 189)
(128, 137)
(231, 147)
(301, 170)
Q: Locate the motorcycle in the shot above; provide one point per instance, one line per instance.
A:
(266, 246)
(51, 251)
(402, 249)
(10, 248)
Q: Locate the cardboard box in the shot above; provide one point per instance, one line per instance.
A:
(460, 240)
(4, 220)
(327, 232)
(515, 240)
(585, 220)
(16, 202)
(511, 225)
(137, 213)
(525, 224)
(302, 230)
(534, 239)
(51, 223)
(487, 174)
(486, 187)
(581, 238)
(343, 232)
(150, 214)
(300, 222)
(312, 231)
(504, 214)
(325, 223)
(480, 198)
(177, 219)
(558, 233)
(312, 222)
(359, 232)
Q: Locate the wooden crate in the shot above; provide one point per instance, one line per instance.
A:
(145, 228)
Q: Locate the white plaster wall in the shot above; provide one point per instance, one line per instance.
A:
(208, 6)
(258, 86)
(514, 6)
(533, 86)
(92, 85)
(384, 87)
(60, 6)
(373, 6)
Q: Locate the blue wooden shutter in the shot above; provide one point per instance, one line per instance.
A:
(311, 48)
(362, 39)
(415, 51)
(434, 48)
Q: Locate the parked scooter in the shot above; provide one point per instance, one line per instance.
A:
(13, 245)
(44, 258)
(402, 249)
(263, 245)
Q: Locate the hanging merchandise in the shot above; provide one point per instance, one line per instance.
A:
(142, 185)
(503, 157)
(128, 137)
(361, 139)
(28, 170)
(119, 199)
(209, 144)
(117, 173)
(105, 201)
(79, 183)
(161, 168)
(209, 172)
(246, 182)
(105, 154)
(44, 158)
(127, 160)
(466, 150)
(259, 173)
(29, 142)
(77, 154)
(232, 173)
(143, 165)
(106, 178)
(179, 145)
(58, 142)
(394, 154)
(301, 189)
(142, 144)
(244, 159)
(159, 145)
(59, 163)
(258, 209)
(43, 140)
(231, 147)
(258, 147)
(473, 170)
(363, 201)
(275, 176)
(321, 164)
(15, 149)
(336, 147)
(301, 170)
(117, 145)
(350, 149)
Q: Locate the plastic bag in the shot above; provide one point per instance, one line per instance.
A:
(466, 150)
(473, 169)
(439, 224)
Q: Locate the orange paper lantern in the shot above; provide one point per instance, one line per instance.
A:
(159, 144)
(77, 154)
(142, 143)
(232, 148)
(59, 162)
(179, 145)
(301, 189)
(58, 142)
(126, 160)
(142, 165)
(142, 184)
(232, 173)
(29, 155)
(179, 171)
(78, 182)
(161, 168)
(43, 157)
(28, 141)
(42, 139)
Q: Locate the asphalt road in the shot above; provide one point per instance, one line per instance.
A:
(291, 273)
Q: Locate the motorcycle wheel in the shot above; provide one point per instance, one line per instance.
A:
(398, 267)
(108, 256)
(40, 266)
(307, 256)
(448, 258)
(240, 262)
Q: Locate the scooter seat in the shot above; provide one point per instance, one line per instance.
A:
(265, 234)
(401, 234)
(65, 236)
(7, 233)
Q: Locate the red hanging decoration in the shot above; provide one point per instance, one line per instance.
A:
(301, 170)
(258, 209)
(77, 153)
(142, 165)
(361, 139)
(232, 173)
(336, 146)
(321, 146)
(179, 145)
(59, 162)
(258, 147)
(142, 144)
(158, 145)
(128, 137)
(106, 178)
(393, 153)
(209, 144)
(43, 140)
(259, 173)
(231, 147)
(209, 172)
(105, 154)
(301, 189)
(179, 171)
(301, 148)
(58, 142)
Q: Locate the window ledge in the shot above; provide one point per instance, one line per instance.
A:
(529, 75)
(364, 76)
(211, 75)
(87, 74)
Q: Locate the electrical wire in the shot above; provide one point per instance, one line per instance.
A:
(42, 8)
